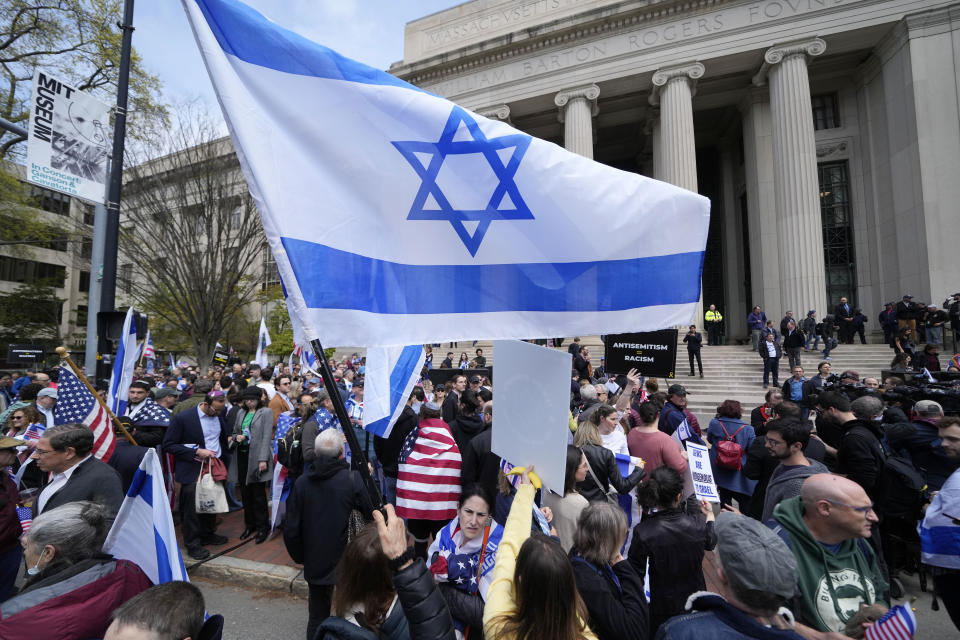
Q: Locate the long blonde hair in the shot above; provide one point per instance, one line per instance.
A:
(587, 433)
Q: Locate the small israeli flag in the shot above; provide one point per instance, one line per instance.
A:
(143, 531)
(391, 374)
(123, 366)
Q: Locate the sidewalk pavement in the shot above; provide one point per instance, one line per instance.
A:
(259, 566)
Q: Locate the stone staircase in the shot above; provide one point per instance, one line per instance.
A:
(736, 373)
(730, 371)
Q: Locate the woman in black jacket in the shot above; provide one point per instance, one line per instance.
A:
(602, 466)
(673, 542)
(611, 589)
(426, 612)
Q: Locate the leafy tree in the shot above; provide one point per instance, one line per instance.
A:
(31, 313)
(190, 238)
(78, 42)
(278, 320)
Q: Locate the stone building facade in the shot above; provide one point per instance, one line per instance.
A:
(825, 132)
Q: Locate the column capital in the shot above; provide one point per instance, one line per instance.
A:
(496, 112)
(589, 92)
(688, 71)
(810, 47)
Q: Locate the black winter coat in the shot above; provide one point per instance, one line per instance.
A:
(426, 612)
(480, 464)
(604, 465)
(465, 428)
(318, 511)
(421, 612)
(673, 542)
(861, 457)
(388, 449)
(614, 613)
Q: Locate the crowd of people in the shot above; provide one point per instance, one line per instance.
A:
(821, 492)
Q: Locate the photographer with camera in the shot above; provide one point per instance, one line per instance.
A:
(952, 306)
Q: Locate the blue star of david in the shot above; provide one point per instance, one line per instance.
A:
(426, 158)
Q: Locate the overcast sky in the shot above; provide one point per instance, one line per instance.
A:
(370, 31)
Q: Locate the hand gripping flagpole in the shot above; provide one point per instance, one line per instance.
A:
(65, 355)
(359, 457)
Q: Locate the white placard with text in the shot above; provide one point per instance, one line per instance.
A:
(701, 473)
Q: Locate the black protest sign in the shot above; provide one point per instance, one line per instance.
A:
(21, 352)
(652, 353)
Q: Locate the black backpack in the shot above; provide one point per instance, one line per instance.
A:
(289, 451)
(904, 485)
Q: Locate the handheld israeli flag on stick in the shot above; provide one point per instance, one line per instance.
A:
(263, 341)
(391, 374)
(123, 365)
(401, 169)
(143, 531)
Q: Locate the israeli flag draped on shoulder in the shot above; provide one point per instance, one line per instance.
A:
(398, 217)
(123, 365)
(145, 517)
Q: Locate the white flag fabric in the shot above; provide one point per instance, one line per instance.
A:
(397, 217)
(390, 375)
(123, 365)
(263, 341)
(143, 531)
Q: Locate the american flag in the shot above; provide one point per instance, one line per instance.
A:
(281, 481)
(148, 351)
(150, 415)
(75, 403)
(428, 482)
(34, 431)
(285, 422)
(25, 515)
(899, 623)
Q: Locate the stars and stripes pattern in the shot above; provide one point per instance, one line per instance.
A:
(899, 623)
(150, 415)
(428, 482)
(280, 490)
(75, 404)
(25, 515)
(148, 352)
(34, 431)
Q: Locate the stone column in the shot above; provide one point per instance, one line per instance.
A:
(652, 129)
(577, 108)
(796, 186)
(496, 112)
(673, 89)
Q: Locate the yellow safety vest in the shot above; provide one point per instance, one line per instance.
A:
(713, 316)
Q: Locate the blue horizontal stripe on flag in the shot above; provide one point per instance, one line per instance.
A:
(333, 279)
(243, 32)
(940, 540)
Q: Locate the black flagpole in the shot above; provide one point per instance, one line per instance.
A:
(357, 452)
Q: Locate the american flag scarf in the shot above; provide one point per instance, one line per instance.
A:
(428, 481)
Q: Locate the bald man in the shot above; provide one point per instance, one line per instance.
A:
(826, 527)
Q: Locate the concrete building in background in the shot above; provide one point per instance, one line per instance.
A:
(825, 132)
(61, 260)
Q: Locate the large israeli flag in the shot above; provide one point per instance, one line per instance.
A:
(397, 217)
(143, 531)
(123, 365)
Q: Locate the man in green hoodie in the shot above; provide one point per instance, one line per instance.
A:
(825, 527)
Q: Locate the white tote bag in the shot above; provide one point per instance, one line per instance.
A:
(210, 495)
